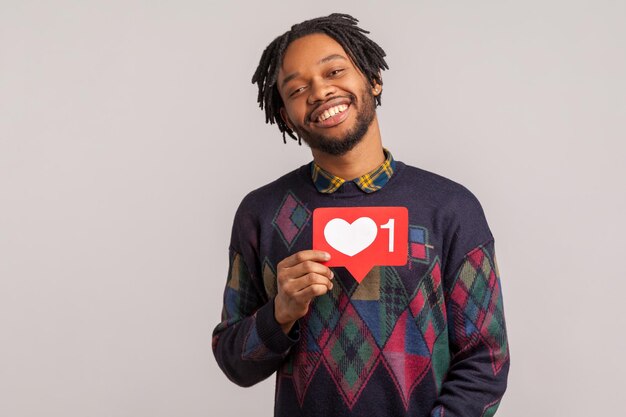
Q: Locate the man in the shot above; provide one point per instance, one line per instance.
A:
(426, 337)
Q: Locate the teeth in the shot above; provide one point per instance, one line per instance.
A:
(332, 111)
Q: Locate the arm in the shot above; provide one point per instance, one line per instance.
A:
(477, 377)
(250, 348)
(249, 344)
(479, 353)
(257, 331)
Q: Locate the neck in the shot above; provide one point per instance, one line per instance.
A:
(361, 159)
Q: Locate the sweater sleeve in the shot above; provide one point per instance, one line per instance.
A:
(477, 377)
(249, 344)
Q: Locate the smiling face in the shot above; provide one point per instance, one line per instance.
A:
(328, 102)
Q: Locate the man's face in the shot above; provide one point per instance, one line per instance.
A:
(328, 102)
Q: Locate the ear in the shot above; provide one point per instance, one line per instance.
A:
(285, 117)
(376, 87)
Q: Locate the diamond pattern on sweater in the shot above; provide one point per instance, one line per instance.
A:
(240, 297)
(269, 279)
(323, 316)
(478, 294)
(409, 351)
(316, 327)
(491, 408)
(351, 355)
(369, 288)
(304, 366)
(427, 305)
(290, 219)
(406, 356)
(381, 313)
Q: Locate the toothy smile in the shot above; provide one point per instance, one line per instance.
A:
(332, 112)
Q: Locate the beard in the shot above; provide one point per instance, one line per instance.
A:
(339, 146)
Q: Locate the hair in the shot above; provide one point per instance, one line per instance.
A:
(365, 53)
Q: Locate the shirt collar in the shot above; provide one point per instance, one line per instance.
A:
(327, 183)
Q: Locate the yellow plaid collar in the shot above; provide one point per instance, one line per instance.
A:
(325, 182)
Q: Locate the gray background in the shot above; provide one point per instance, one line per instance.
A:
(129, 132)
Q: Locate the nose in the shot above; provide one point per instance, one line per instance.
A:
(320, 90)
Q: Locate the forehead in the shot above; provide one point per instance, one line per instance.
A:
(306, 52)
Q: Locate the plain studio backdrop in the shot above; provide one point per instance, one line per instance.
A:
(130, 132)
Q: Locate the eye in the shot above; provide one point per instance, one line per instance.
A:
(293, 93)
(335, 72)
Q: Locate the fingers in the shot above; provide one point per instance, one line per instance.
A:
(312, 291)
(303, 274)
(302, 256)
(308, 267)
(300, 278)
(299, 284)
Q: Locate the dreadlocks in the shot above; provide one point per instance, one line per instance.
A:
(366, 54)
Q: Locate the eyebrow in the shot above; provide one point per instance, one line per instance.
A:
(321, 61)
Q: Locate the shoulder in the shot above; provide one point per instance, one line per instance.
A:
(458, 208)
(437, 189)
(256, 207)
(263, 198)
(458, 211)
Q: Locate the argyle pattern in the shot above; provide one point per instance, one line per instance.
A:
(290, 218)
(424, 339)
(381, 304)
(353, 329)
(350, 355)
(477, 297)
(240, 300)
(269, 279)
(427, 307)
(239, 296)
(490, 409)
(317, 326)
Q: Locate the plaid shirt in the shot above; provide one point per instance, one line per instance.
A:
(325, 182)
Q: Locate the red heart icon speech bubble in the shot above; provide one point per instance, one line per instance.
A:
(362, 237)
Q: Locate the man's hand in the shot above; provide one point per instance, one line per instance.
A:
(300, 279)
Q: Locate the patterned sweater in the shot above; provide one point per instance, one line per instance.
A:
(424, 339)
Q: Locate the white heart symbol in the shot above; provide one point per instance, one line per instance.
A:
(350, 238)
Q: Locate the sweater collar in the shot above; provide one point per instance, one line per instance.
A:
(327, 183)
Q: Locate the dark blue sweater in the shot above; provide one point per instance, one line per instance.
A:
(424, 339)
